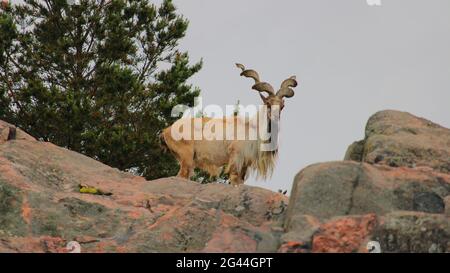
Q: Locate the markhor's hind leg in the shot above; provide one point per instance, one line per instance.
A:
(237, 176)
(186, 160)
(183, 152)
(244, 173)
(186, 170)
(235, 179)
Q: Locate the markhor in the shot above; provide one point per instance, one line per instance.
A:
(186, 263)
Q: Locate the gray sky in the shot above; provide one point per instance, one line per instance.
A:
(351, 59)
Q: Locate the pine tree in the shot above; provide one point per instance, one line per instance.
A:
(97, 77)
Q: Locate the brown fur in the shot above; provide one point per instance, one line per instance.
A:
(240, 156)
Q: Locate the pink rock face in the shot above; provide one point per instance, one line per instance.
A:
(344, 235)
(224, 240)
(44, 210)
(11, 132)
(333, 207)
(294, 247)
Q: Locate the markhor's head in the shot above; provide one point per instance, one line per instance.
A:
(273, 100)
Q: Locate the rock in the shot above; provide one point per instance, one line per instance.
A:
(399, 139)
(299, 231)
(447, 206)
(324, 190)
(413, 232)
(294, 247)
(10, 132)
(400, 232)
(428, 202)
(344, 234)
(355, 151)
(393, 189)
(41, 208)
(347, 188)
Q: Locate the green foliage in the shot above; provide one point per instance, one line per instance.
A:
(99, 78)
(204, 177)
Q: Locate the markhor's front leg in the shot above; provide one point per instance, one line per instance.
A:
(236, 180)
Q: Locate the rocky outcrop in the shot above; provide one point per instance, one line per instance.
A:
(42, 209)
(399, 139)
(11, 132)
(348, 188)
(393, 188)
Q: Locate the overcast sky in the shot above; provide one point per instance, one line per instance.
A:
(351, 59)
